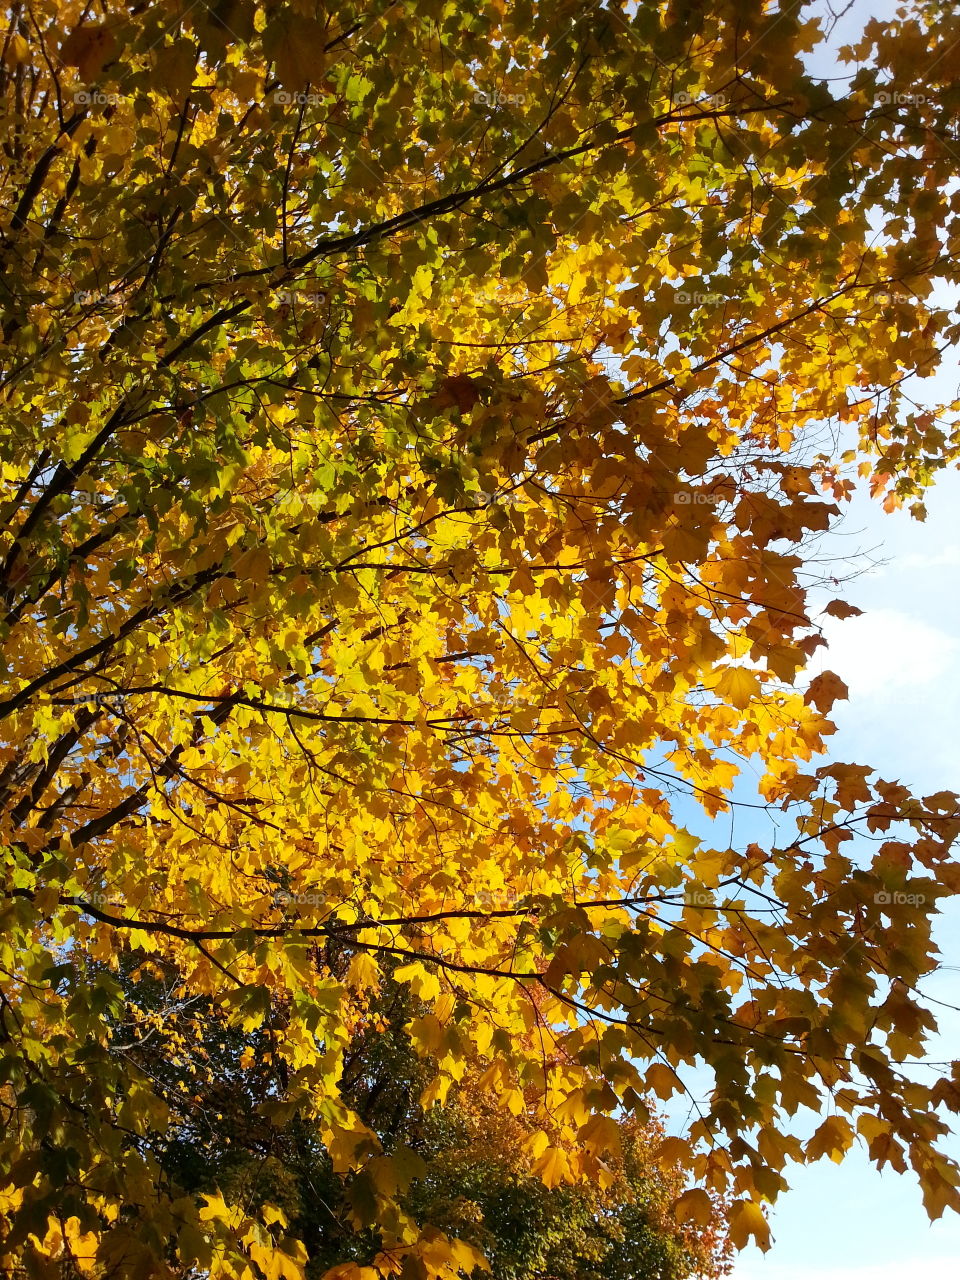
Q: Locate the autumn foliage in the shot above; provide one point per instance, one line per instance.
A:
(415, 423)
(464, 1169)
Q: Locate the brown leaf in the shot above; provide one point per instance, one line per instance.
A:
(89, 48)
(824, 690)
(840, 609)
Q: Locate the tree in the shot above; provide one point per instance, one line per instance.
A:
(416, 420)
(466, 1167)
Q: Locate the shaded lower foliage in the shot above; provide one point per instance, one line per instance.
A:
(236, 1128)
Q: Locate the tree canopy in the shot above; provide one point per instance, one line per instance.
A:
(415, 425)
(464, 1168)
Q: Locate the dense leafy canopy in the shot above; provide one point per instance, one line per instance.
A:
(464, 1168)
(415, 420)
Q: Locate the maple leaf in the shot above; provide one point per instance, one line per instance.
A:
(747, 1220)
(694, 1205)
(738, 686)
(460, 392)
(833, 1138)
(841, 609)
(825, 689)
(88, 47)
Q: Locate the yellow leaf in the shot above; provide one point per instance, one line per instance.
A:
(601, 1134)
(745, 1219)
(833, 1138)
(436, 1091)
(662, 1080)
(363, 974)
(552, 1167)
(16, 52)
(253, 566)
(423, 982)
(271, 1214)
(694, 1205)
(738, 686)
(216, 1209)
(537, 1143)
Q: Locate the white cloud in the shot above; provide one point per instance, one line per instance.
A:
(946, 557)
(885, 652)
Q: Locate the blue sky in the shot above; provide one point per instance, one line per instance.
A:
(901, 661)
